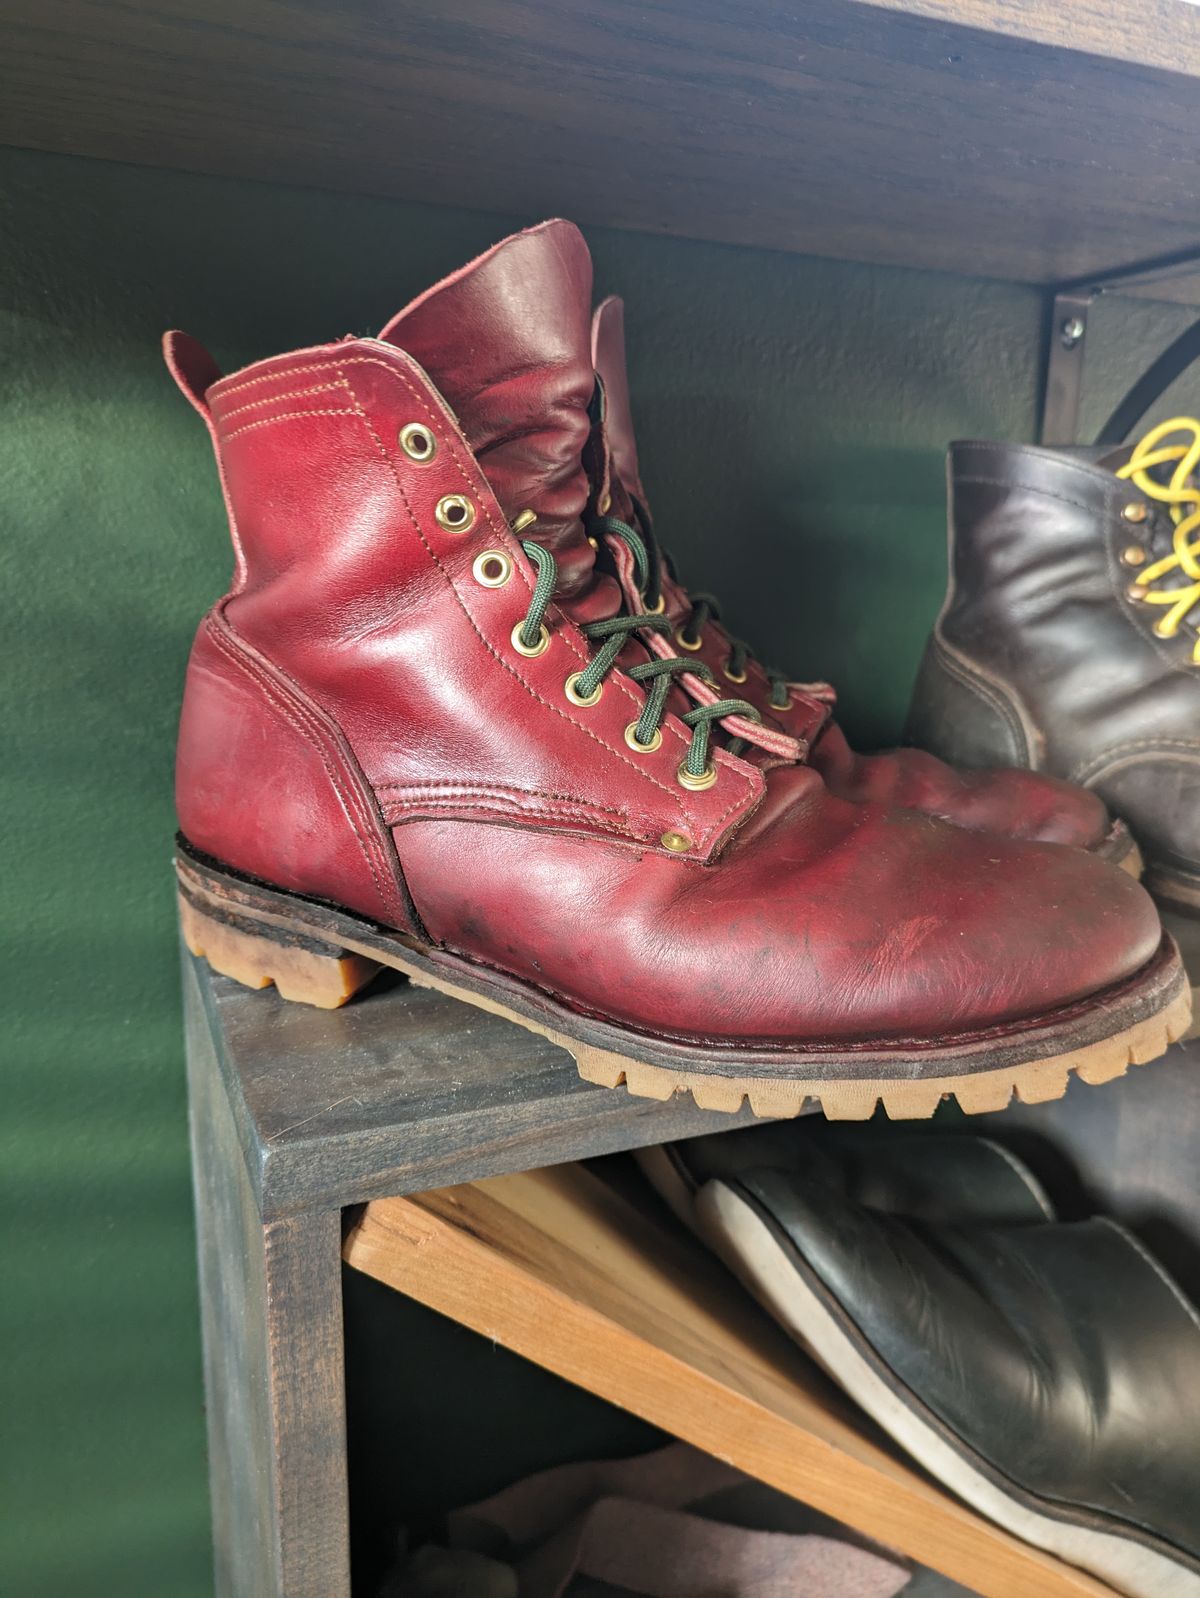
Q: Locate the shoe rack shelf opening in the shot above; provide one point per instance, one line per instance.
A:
(559, 1267)
(1015, 139)
(428, 1113)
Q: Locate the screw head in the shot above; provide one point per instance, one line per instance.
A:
(676, 842)
(1135, 511)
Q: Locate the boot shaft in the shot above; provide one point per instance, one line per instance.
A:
(379, 589)
(1046, 653)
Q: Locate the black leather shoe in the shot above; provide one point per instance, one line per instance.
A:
(1068, 642)
(1049, 1374)
(944, 1176)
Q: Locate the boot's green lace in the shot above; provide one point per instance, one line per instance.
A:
(657, 676)
(689, 635)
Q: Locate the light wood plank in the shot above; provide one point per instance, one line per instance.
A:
(999, 138)
(558, 1267)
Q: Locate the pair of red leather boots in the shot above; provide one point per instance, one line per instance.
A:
(455, 716)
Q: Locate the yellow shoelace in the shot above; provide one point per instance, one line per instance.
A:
(1182, 494)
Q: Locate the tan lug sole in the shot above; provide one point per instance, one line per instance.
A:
(242, 933)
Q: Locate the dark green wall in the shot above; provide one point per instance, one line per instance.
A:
(793, 414)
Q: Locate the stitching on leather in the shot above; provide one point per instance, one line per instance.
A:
(501, 530)
(430, 804)
(279, 399)
(287, 416)
(285, 368)
(391, 465)
(495, 788)
(1026, 488)
(1183, 750)
(990, 695)
(301, 720)
(341, 367)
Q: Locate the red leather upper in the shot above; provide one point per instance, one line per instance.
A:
(359, 725)
(1019, 804)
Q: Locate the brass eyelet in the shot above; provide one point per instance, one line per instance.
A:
(657, 608)
(1135, 511)
(676, 842)
(571, 689)
(690, 644)
(454, 512)
(787, 705)
(539, 648)
(493, 568)
(1133, 555)
(697, 784)
(631, 738)
(1135, 592)
(418, 443)
(604, 504)
(594, 542)
(732, 676)
(522, 520)
(1162, 630)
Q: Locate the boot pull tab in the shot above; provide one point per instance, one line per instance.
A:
(192, 367)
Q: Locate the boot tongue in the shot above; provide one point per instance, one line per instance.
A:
(506, 339)
(608, 355)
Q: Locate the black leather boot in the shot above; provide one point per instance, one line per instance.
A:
(1047, 1373)
(1068, 639)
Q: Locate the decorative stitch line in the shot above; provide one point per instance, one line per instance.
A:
(403, 377)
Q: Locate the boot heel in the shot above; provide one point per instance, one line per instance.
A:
(302, 968)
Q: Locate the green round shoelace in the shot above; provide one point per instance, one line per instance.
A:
(656, 676)
(705, 607)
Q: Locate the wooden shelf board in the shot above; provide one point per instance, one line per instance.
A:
(406, 1088)
(998, 138)
(563, 1270)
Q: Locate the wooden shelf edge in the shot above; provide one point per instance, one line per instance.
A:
(557, 1268)
(1160, 34)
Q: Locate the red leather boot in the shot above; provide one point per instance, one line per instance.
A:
(1016, 804)
(407, 740)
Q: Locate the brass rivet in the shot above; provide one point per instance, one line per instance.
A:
(493, 568)
(418, 443)
(690, 644)
(1135, 511)
(697, 784)
(1133, 555)
(733, 676)
(676, 842)
(1135, 592)
(658, 607)
(604, 504)
(455, 513)
(522, 520)
(631, 738)
(539, 648)
(571, 689)
(595, 543)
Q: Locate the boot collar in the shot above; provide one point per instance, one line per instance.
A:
(506, 340)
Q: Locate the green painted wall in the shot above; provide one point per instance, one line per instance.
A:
(793, 411)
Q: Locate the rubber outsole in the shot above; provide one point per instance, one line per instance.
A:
(1120, 849)
(318, 954)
